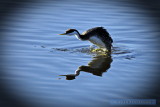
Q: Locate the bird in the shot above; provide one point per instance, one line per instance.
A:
(97, 35)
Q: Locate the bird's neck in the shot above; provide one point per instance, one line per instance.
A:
(78, 35)
(77, 72)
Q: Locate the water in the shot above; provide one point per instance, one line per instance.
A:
(34, 55)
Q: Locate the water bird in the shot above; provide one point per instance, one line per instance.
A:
(97, 35)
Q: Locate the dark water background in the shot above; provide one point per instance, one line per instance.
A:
(34, 55)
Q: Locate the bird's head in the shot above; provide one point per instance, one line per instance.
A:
(70, 32)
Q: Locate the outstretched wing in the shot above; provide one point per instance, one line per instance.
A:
(100, 31)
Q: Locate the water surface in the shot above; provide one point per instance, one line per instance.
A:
(34, 55)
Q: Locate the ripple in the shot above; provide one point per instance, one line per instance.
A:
(116, 51)
(34, 55)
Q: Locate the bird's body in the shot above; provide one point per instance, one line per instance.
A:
(98, 36)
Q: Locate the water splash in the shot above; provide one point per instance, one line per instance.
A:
(116, 51)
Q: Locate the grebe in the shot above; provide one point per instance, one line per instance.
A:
(98, 36)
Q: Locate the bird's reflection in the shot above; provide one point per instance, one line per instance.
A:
(96, 66)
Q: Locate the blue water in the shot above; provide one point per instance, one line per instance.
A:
(34, 55)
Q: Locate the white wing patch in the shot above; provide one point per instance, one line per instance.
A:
(97, 41)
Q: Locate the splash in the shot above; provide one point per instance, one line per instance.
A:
(89, 50)
(117, 52)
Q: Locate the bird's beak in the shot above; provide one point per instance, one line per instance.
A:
(62, 75)
(63, 34)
